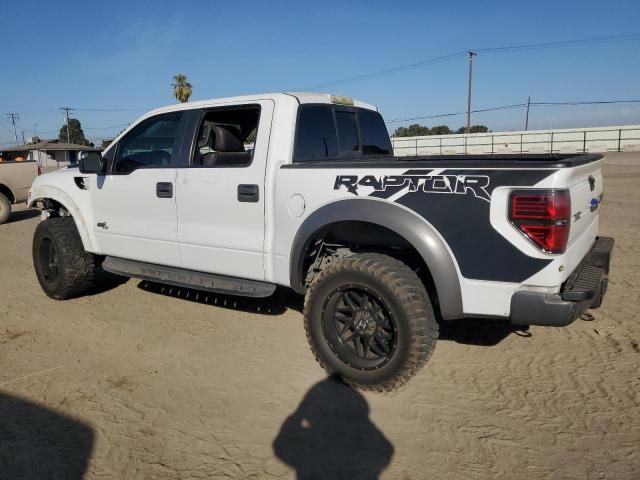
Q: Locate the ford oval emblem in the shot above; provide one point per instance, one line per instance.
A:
(594, 204)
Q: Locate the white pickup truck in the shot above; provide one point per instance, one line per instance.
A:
(15, 181)
(383, 248)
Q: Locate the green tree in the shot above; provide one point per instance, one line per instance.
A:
(182, 89)
(75, 134)
(414, 130)
(106, 142)
(474, 129)
(441, 130)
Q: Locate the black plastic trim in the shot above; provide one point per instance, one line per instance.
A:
(585, 288)
(248, 193)
(548, 162)
(406, 224)
(187, 278)
(534, 308)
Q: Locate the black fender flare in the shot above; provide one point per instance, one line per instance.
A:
(415, 230)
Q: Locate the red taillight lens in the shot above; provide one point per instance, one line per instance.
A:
(547, 205)
(543, 217)
(39, 170)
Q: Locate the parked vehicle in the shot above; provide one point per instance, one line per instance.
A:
(15, 180)
(384, 249)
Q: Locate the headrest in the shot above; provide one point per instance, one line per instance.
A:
(204, 136)
(224, 140)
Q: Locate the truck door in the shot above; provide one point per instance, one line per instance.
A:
(221, 197)
(134, 205)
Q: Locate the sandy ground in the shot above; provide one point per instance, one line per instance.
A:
(135, 383)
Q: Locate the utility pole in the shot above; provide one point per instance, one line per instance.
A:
(471, 54)
(66, 111)
(526, 121)
(14, 117)
(35, 130)
(23, 141)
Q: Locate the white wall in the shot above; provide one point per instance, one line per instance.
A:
(572, 140)
(50, 160)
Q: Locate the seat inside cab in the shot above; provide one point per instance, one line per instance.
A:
(227, 137)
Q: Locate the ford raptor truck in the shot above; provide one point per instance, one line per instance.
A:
(301, 190)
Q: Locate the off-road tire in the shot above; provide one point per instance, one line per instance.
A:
(77, 270)
(403, 295)
(5, 208)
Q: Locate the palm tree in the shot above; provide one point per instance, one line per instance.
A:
(181, 89)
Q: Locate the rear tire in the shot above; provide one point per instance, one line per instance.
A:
(5, 208)
(369, 320)
(64, 269)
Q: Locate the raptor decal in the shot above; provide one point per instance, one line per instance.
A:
(415, 181)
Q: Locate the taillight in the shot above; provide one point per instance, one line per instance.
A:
(543, 217)
(39, 170)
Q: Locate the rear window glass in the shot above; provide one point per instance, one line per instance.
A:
(328, 132)
(375, 138)
(347, 133)
(316, 134)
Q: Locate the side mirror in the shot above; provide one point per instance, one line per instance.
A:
(91, 162)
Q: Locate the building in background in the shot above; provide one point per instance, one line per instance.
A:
(49, 154)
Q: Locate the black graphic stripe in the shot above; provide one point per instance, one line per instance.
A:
(463, 220)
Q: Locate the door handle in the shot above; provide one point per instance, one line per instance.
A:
(164, 190)
(248, 193)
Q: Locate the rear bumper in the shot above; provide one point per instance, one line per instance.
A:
(585, 288)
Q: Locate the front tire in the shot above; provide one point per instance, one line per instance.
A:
(64, 269)
(369, 320)
(5, 208)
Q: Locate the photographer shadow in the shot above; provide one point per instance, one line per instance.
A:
(330, 435)
(38, 443)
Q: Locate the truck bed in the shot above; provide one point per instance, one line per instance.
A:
(16, 179)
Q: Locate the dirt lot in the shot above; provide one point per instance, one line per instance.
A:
(136, 383)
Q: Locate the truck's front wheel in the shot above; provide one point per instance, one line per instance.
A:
(64, 269)
(5, 208)
(369, 320)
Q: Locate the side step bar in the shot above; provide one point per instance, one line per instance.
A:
(188, 278)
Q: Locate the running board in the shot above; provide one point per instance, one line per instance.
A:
(188, 278)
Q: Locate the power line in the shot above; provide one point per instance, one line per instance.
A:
(595, 102)
(442, 115)
(515, 105)
(561, 44)
(107, 128)
(398, 69)
(502, 49)
(14, 117)
(5, 126)
(112, 109)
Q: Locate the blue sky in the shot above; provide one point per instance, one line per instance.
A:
(122, 55)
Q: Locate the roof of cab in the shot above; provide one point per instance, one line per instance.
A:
(301, 97)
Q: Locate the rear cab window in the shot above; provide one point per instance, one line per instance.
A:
(336, 132)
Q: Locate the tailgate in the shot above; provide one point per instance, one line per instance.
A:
(585, 186)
